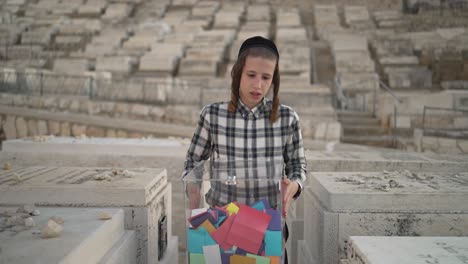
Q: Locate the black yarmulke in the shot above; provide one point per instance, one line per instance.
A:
(258, 41)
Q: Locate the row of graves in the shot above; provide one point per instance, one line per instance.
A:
(414, 81)
(149, 61)
(357, 205)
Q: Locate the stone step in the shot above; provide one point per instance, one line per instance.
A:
(366, 121)
(84, 239)
(305, 97)
(375, 141)
(348, 113)
(438, 249)
(360, 130)
(123, 251)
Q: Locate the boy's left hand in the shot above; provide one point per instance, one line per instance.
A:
(289, 189)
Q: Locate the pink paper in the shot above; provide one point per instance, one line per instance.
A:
(248, 229)
(220, 235)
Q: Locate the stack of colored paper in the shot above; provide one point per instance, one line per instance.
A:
(235, 233)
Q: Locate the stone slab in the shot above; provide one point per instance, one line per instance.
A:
(72, 186)
(108, 146)
(85, 238)
(328, 231)
(123, 251)
(355, 14)
(399, 191)
(144, 194)
(192, 67)
(121, 64)
(407, 250)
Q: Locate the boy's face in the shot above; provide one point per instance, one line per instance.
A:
(256, 79)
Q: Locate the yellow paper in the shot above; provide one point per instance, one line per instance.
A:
(208, 226)
(232, 208)
(238, 259)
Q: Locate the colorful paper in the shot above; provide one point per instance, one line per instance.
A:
(197, 238)
(273, 246)
(275, 222)
(232, 209)
(259, 259)
(274, 259)
(196, 258)
(226, 258)
(208, 226)
(197, 220)
(261, 205)
(212, 254)
(248, 229)
(220, 235)
(237, 259)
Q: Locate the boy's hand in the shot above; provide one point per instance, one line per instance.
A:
(193, 193)
(289, 189)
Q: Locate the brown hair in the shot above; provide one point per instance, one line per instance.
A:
(236, 74)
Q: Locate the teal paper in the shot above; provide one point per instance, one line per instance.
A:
(259, 259)
(197, 258)
(273, 242)
(197, 238)
(260, 206)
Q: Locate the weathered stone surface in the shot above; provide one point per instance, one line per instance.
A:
(111, 133)
(9, 127)
(32, 128)
(78, 130)
(288, 19)
(355, 14)
(42, 129)
(65, 129)
(21, 128)
(121, 64)
(71, 66)
(95, 132)
(54, 127)
(196, 67)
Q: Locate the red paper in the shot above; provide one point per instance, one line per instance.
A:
(248, 229)
(220, 235)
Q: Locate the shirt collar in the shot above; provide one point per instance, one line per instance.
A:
(256, 111)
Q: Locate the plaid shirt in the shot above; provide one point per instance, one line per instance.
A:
(247, 134)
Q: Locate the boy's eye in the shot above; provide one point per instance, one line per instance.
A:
(251, 75)
(266, 78)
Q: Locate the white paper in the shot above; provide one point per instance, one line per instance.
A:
(212, 254)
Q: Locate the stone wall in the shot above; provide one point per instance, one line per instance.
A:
(372, 4)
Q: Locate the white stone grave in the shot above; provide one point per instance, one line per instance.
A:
(108, 146)
(84, 239)
(144, 194)
(406, 250)
(121, 64)
(344, 204)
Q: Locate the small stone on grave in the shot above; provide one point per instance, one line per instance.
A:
(27, 209)
(57, 219)
(51, 230)
(104, 216)
(7, 166)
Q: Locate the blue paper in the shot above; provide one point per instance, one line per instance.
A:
(240, 251)
(273, 242)
(275, 222)
(225, 258)
(220, 221)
